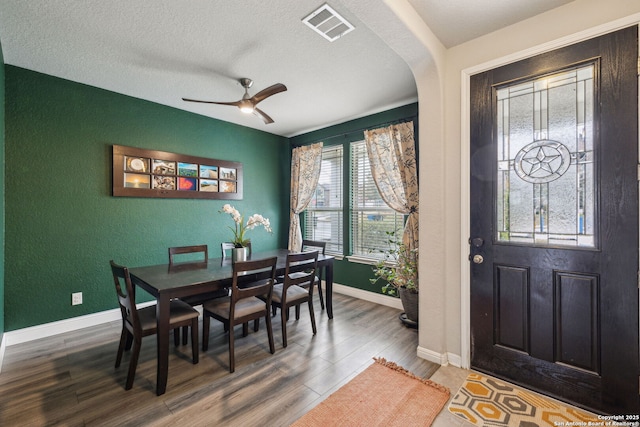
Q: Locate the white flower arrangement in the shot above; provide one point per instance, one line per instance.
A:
(239, 239)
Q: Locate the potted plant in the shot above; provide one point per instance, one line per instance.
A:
(240, 241)
(399, 270)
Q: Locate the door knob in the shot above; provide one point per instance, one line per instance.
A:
(478, 259)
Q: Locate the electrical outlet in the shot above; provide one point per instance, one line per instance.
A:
(76, 298)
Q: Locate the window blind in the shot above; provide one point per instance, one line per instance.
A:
(371, 218)
(323, 217)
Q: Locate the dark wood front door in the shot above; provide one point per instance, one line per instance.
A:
(554, 223)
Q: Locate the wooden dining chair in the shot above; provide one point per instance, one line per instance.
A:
(308, 245)
(189, 250)
(226, 247)
(300, 272)
(320, 246)
(243, 304)
(189, 253)
(196, 249)
(139, 323)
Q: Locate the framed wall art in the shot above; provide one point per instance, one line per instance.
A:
(150, 173)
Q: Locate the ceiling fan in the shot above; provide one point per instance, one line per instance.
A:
(248, 103)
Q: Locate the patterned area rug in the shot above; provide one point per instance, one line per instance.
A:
(384, 394)
(486, 401)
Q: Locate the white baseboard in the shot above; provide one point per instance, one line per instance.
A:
(433, 356)
(368, 296)
(32, 333)
(3, 347)
(442, 359)
(454, 360)
(67, 325)
(424, 353)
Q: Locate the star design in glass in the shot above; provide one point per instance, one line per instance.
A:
(542, 161)
(539, 160)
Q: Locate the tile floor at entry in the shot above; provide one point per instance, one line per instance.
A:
(453, 377)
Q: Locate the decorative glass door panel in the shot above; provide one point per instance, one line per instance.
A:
(545, 160)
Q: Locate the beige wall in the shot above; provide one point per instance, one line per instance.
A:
(444, 270)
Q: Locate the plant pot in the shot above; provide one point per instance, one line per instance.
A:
(239, 254)
(409, 301)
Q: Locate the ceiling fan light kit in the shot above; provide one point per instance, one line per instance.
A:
(246, 107)
(248, 103)
(245, 104)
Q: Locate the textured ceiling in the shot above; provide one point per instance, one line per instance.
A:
(164, 50)
(457, 21)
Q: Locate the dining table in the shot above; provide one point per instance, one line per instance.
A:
(166, 282)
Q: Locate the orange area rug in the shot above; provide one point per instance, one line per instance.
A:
(486, 401)
(384, 394)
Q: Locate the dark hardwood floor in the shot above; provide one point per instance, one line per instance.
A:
(70, 379)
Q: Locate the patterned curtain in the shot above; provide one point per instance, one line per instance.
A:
(305, 171)
(392, 156)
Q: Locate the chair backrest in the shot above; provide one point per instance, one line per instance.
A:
(265, 268)
(227, 246)
(126, 296)
(304, 264)
(310, 245)
(179, 250)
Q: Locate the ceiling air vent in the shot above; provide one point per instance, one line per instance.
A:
(328, 23)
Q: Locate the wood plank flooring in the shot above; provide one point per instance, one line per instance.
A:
(70, 379)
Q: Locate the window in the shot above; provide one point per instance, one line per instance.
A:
(371, 218)
(323, 217)
(368, 216)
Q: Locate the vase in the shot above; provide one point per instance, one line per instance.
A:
(239, 254)
(409, 301)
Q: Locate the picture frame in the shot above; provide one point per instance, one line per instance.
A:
(163, 167)
(140, 172)
(209, 185)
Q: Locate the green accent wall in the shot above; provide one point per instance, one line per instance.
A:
(62, 224)
(348, 273)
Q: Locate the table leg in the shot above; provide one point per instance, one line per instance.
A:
(162, 317)
(328, 281)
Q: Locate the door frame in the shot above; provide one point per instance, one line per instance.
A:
(465, 152)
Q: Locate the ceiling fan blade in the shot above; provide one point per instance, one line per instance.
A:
(235, 104)
(265, 93)
(264, 116)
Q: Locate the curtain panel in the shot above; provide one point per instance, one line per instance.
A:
(392, 156)
(305, 171)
